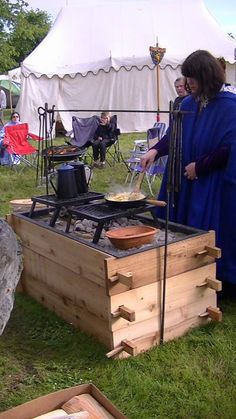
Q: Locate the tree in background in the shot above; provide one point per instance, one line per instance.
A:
(21, 30)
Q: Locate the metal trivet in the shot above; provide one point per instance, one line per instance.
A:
(103, 213)
(53, 201)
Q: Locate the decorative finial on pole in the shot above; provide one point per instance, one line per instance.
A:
(157, 54)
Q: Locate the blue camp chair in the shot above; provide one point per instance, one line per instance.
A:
(154, 134)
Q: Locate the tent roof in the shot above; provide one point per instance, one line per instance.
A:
(105, 34)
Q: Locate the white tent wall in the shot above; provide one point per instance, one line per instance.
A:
(35, 94)
(96, 56)
(122, 90)
(231, 73)
(15, 74)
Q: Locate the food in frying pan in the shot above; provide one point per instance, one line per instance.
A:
(125, 196)
(59, 150)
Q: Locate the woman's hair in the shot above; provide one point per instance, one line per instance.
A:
(15, 113)
(207, 70)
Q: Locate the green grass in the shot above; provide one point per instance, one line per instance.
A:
(192, 377)
(18, 185)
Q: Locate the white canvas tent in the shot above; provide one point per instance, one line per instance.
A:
(15, 74)
(96, 56)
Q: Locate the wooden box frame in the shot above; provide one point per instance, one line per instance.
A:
(118, 300)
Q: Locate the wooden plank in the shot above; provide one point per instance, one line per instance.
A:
(66, 283)
(172, 319)
(67, 310)
(148, 266)
(145, 301)
(146, 342)
(60, 248)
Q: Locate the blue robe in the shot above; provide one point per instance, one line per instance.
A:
(209, 202)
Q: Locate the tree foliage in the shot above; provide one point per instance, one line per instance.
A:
(21, 30)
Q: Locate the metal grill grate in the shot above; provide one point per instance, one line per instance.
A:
(103, 213)
(53, 201)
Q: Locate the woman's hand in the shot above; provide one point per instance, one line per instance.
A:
(190, 171)
(148, 159)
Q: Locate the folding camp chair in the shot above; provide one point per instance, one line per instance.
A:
(16, 143)
(154, 134)
(113, 153)
(83, 131)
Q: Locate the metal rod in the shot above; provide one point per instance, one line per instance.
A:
(163, 299)
(174, 172)
(178, 154)
(114, 110)
(168, 191)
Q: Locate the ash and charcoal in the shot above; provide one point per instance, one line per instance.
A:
(86, 229)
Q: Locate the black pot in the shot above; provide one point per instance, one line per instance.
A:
(80, 177)
(65, 182)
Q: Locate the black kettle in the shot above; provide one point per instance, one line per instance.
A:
(80, 177)
(66, 184)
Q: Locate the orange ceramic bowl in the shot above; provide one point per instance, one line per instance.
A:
(133, 236)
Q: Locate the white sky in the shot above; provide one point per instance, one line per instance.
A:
(223, 10)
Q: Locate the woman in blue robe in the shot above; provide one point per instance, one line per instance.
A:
(207, 198)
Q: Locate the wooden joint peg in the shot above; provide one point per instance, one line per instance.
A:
(123, 278)
(212, 283)
(212, 251)
(129, 347)
(124, 312)
(213, 312)
(115, 352)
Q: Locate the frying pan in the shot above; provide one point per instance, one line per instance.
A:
(133, 203)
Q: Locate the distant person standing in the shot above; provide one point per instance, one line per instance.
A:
(3, 105)
(181, 91)
(227, 87)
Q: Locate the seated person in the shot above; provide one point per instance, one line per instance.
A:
(5, 157)
(102, 139)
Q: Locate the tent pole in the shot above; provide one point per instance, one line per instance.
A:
(157, 54)
(10, 94)
(158, 93)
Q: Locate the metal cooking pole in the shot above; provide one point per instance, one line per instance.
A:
(174, 169)
(46, 139)
(170, 174)
(178, 153)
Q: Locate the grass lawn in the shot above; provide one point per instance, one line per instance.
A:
(192, 377)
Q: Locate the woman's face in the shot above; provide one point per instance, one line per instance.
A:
(104, 120)
(193, 85)
(15, 117)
